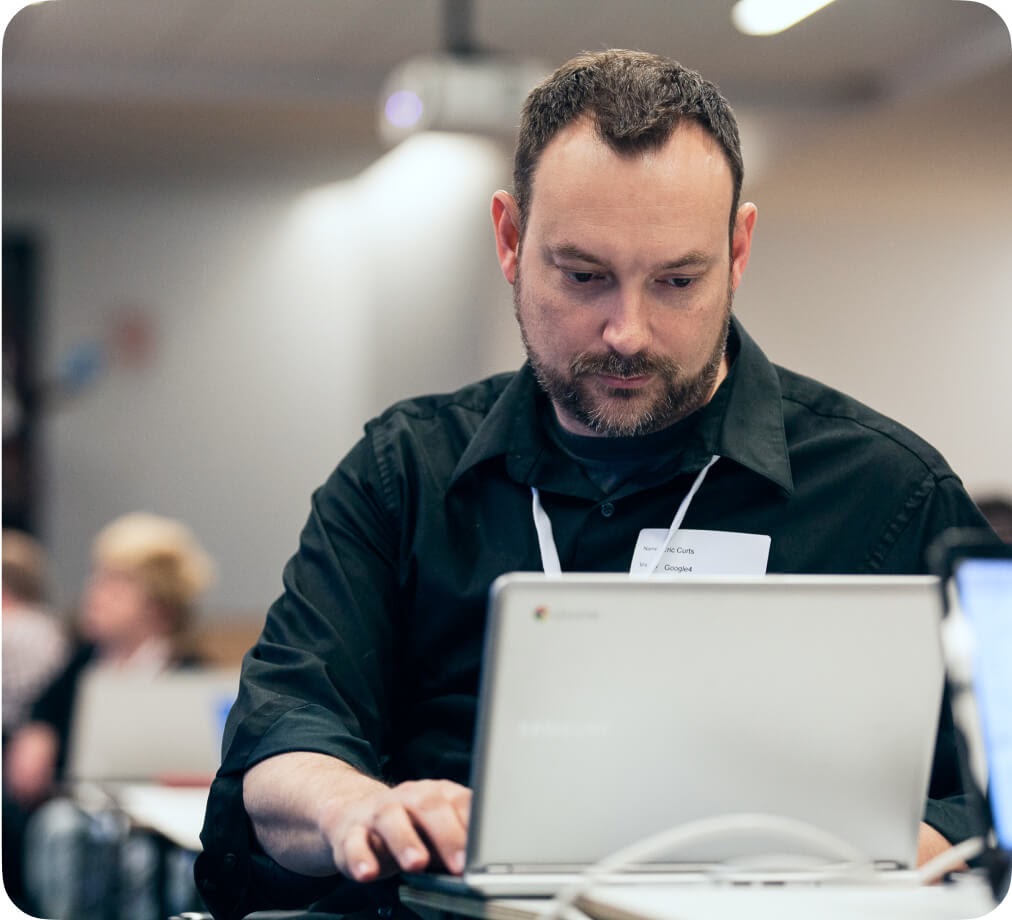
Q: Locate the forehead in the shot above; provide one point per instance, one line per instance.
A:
(111, 573)
(581, 182)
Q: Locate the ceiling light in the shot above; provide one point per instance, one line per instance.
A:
(768, 17)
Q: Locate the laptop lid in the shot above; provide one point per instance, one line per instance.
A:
(614, 708)
(164, 727)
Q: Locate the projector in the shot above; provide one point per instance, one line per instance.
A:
(476, 94)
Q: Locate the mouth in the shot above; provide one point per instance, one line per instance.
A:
(624, 383)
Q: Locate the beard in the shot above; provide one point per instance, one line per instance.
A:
(609, 412)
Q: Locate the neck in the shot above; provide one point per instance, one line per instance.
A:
(722, 371)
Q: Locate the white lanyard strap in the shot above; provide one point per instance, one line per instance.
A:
(676, 522)
(546, 540)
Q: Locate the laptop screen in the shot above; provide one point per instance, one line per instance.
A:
(617, 708)
(984, 589)
(166, 727)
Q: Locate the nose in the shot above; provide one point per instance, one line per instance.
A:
(627, 326)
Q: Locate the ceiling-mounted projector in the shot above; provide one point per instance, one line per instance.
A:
(474, 93)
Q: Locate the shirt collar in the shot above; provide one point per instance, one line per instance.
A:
(512, 429)
(751, 432)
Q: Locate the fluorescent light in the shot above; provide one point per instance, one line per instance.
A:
(768, 17)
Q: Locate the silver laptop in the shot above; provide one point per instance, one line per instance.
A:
(142, 727)
(613, 709)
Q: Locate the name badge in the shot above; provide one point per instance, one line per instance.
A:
(700, 552)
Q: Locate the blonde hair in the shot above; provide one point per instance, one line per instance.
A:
(24, 566)
(163, 555)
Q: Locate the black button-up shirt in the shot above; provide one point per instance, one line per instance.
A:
(372, 654)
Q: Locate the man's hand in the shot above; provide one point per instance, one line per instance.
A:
(315, 815)
(930, 843)
(410, 827)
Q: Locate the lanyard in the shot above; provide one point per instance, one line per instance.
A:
(546, 540)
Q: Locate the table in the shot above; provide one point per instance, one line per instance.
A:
(175, 812)
(968, 896)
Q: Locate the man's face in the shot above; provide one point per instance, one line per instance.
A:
(627, 277)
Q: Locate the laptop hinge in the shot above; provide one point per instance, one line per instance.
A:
(888, 865)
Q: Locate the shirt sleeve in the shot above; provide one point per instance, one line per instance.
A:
(930, 506)
(320, 678)
(939, 505)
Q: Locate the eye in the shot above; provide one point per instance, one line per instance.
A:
(583, 277)
(677, 282)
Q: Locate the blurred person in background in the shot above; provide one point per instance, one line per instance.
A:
(35, 644)
(35, 647)
(148, 572)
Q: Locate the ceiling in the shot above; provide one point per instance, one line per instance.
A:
(95, 89)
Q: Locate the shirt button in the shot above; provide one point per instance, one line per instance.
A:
(230, 861)
(607, 509)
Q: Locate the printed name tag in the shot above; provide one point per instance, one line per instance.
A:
(701, 552)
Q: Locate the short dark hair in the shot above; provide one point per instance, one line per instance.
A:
(636, 100)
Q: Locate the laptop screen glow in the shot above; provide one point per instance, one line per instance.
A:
(985, 594)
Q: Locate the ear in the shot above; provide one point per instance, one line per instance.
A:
(506, 224)
(741, 241)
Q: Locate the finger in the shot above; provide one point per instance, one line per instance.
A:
(358, 858)
(439, 818)
(460, 798)
(397, 832)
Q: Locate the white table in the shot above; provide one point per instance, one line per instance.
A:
(966, 898)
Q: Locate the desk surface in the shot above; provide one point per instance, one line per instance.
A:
(962, 900)
(175, 812)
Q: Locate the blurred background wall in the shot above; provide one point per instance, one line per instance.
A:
(229, 270)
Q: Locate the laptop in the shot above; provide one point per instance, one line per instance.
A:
(977, 643)
(613, 709)
(166, 727)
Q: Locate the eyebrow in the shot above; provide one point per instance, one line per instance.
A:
(572, 251)
(694, 258)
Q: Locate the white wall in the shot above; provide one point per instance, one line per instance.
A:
(287, 318)
(881, 265)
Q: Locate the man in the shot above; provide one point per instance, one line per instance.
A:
(348, 750)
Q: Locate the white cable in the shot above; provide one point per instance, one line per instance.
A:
(852, 861)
